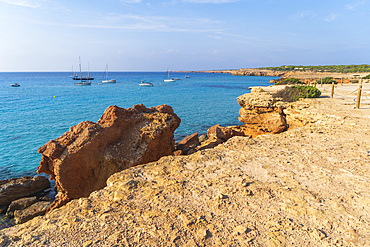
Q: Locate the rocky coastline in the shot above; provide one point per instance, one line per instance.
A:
(239, 185)
(306, 76)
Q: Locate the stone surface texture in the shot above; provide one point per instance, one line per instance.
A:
(84, 157)
(262, 112)
(13, 189)
(308, 186)
(20, 204)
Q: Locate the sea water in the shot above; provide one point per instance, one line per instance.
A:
(47, 104)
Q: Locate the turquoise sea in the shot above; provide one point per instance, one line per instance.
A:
(47, 104)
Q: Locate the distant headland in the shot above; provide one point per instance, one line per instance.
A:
(299, 71)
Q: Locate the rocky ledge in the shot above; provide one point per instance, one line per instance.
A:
(307, 186)
(82, 159)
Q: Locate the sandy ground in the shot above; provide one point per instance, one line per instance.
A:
(309, 186)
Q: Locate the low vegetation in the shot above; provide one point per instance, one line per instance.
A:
(327, 80)
(288, 81)
(323, 68)
(366, 77)
(293, 93)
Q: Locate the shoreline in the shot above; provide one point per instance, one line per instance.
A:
(305, 186)
(286, 74)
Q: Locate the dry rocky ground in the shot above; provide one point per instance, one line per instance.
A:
(309, 186)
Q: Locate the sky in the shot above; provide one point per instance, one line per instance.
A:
(141, 35)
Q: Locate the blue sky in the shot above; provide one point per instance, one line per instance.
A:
(140, 35)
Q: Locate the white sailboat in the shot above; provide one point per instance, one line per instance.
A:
(168, 77)
(106, 77)
(82, 81)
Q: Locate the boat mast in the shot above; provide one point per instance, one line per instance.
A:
(106, 68)
(79, 58)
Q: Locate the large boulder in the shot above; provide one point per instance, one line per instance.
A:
(84, 157)
(262, 112)
(13, 189)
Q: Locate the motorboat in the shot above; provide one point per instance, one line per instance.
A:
(109, 81)
(145, 84)
(15, 85)
(83, 83)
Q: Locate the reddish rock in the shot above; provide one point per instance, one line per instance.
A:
(84, 157)
(186, 144)
(178, 153)
(13, 189)
(190, 140)
(225, 133)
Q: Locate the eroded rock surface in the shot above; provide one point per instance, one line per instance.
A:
(262, 113)
(84, 157)
(304, 187)
(13, 189)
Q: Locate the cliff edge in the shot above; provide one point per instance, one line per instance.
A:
(308, 186)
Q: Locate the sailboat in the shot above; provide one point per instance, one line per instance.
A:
(106, 77)
(85, 78)
(82, 82)
(168, 77)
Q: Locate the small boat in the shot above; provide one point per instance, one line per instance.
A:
(15, 85)
(75, 77)
(187, 76)
(168, 77)
(106, 77)
(146, 84)
(83, 83)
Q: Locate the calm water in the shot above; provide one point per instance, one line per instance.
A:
(47, 104)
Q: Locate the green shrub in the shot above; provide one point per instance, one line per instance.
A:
(289, 81)
(366, 77)
(327, 80)
(293, 93)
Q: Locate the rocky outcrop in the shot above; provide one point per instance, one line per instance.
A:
(262, 112)
(84, 157)
(36, 209)
(307, 186)
(187, 144)
(20, 204)
(256, 72)
(224, 133)
(13, 189)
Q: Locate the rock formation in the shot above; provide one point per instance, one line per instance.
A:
(84, 157)
(307, 186)
(262, 113)
(13, 189)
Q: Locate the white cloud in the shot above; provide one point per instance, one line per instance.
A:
(149, 23)
(304, 14)
(331, 17)
(354, 5)
(25, 3)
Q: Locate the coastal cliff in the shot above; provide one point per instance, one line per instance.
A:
(307, 186)
(82, 159)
